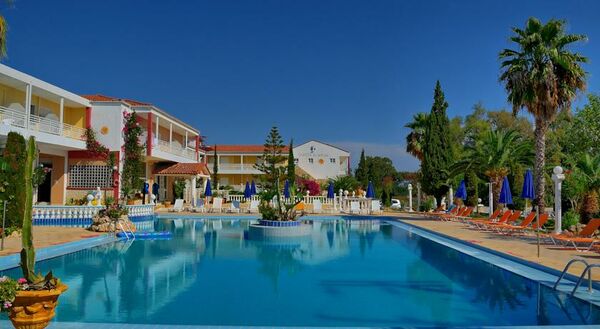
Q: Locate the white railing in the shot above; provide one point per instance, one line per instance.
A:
(176, 149)
(81, 216)
(143, 210)
(64, 215)
(36, 123)
(241, 198)
(305, 199)
(235, 167)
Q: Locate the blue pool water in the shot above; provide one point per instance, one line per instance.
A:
(348, 273)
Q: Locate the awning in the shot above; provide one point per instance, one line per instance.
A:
(185, 169)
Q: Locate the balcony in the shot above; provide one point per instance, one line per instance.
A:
(236, 168)
(18, 119)
(175, 149)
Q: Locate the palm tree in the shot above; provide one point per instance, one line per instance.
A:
(543, 76)
(414, 140)
(494, 156)
(588, 170)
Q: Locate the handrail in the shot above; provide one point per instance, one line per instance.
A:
(125, 231)
(588, 269)
(575, 260)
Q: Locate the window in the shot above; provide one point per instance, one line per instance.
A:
(331, 160)
(90, 176)
(310, 160)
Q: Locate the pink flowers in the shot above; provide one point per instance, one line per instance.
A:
(22, 281)
(7, 305)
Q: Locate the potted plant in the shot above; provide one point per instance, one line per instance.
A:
(30, 300)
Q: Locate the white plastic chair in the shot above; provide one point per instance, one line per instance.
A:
(354, 207)
(235, 207)
(178, 206)
(253, 206)
(376, 207)
(217, 205)
(199, 206)
(317, 207)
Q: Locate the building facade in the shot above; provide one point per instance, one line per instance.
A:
(55, 117)
(314, 160)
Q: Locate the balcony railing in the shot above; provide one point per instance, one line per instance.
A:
(175, 149)
(237, 167)
(16, 118)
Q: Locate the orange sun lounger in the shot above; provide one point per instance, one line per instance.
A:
(584, 237)
(481, 224)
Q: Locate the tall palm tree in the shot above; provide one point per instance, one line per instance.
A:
(543, 76)
(494, 156)
(414, 140)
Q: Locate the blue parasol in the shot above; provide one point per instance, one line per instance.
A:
(330, 192)
(461, 192)
(208, 191)
(247, 191)
(505, 195)
(370, 190)
(253, 188)
(286, 189)
(528, 190)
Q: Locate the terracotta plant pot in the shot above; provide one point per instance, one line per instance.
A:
(35, 309)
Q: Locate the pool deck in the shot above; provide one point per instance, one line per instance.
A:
(521, 247)
(46, 236)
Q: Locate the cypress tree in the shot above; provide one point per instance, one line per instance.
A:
(215, 182)
(362, 171)
(15, 154)
(291, 166)
(437, 153)
(271, 159)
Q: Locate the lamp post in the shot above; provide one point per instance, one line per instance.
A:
(491, 196)
(410, 198)
(557, 177)
(418, 196)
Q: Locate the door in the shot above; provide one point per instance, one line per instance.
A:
(44, 190)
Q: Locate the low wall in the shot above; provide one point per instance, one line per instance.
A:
(81, 216)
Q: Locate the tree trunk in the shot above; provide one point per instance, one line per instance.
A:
(541, 127)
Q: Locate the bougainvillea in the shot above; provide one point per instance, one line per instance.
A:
(311, 186)
(96, 149)
(132, 155)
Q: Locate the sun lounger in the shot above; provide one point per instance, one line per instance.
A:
(482, 224)
(253, 208)
(584, 237)
(462, 211)
(528, 224)
(217, 205)
(178, 206)
(234, 207)
(509, 221)
(199, 206)
(466, 215)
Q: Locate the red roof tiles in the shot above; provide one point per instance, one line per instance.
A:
(104, 98)
(185, 169)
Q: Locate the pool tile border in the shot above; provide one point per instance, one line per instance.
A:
(12, 261)
(537, 272)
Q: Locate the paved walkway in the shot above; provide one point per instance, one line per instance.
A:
(522, 247)
(45, 236)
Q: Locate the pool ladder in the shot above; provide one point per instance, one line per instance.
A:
(127, 233)
(587, 270)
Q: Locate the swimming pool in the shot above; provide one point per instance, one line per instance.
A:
(347, 273)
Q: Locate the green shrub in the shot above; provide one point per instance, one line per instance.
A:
(426, 205)
(569, 219)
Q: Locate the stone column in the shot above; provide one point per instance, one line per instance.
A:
(491, 196)
(557, 178)
(410, 209)
(418, 196)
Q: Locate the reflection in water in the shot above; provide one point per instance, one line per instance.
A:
(340, 275)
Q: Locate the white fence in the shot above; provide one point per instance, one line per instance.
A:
(176, 149)
(81, 216)
(305, 199)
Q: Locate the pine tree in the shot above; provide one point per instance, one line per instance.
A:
(362, 171)
(215, 172)
(272, 158)
(291, 166)
(437, 153)
(133, 164)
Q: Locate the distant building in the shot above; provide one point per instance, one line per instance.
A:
(314, 160)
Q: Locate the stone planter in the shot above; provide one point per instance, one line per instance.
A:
(107, 224)
(268, 230)
(35, 309)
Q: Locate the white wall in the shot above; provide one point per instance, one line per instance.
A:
(109, 115)
(321, 154)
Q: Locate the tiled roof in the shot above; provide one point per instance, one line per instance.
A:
(240, 148)
(104, 98)
(185, 169)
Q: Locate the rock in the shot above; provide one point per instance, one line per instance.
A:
(107, 224)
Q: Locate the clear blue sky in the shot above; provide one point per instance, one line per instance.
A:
(346, 72)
